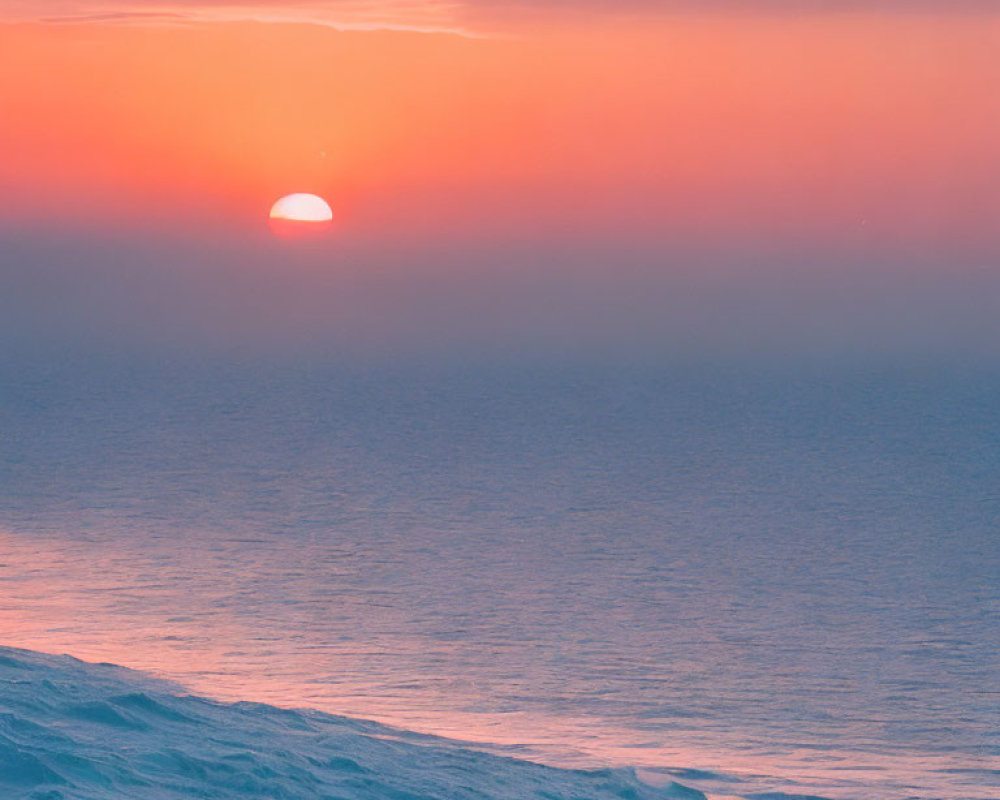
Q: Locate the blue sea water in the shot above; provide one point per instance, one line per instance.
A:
(758, 582)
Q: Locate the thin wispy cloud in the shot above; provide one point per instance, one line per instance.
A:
(429, 15)
(119, 16)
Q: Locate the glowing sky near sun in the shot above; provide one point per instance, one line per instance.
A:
(783, 122)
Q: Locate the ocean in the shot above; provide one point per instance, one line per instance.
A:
(759, 580)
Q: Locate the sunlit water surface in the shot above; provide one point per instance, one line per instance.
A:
(785, 580)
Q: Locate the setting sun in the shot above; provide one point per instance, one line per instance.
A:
(300, 213)
(302, 208)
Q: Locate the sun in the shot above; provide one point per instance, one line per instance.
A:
(300, 213)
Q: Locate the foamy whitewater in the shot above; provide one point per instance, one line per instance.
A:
(756, 583)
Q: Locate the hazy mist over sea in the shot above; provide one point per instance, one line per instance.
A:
(590, 300)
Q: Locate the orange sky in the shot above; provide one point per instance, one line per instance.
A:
(828, 123)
